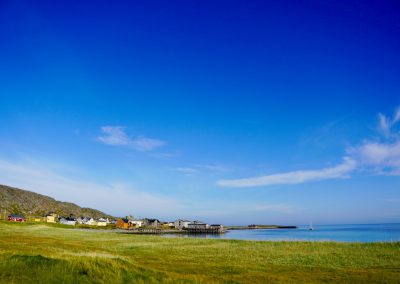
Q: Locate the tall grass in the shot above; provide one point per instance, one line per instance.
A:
(42, 254)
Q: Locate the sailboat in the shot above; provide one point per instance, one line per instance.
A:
(311, 227)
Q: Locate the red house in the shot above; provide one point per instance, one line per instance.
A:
(16, 218)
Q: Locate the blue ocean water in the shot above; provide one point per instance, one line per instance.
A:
(338, 233)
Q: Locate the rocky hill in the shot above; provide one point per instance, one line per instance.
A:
(18, 201)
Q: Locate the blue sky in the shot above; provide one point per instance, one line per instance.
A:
(226, 111)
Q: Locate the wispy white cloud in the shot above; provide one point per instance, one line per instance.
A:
(195, 169)
(117, 136)
(116, 198)
(386, 123)
(396, 116)
(186, 171)
(381, 156)
(340, 171)
(214, 168)
(143, 143)
(165, 156)
(114, 135)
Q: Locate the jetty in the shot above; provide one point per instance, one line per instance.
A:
(210, 230)
(157, 231)
(144, 231)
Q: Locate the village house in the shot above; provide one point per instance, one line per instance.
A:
(68, 221)
(123, 223)
(197, 225)
(51, 217)
(152, 223)
(101, 222)
(81, 220)
(91, 222)
(182, 224)
(137, 223)
(16, 218)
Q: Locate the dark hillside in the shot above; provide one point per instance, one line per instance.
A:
(15, 200)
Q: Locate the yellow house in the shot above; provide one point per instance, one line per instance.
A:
(101, 223)
(37, 219)
(51, 218)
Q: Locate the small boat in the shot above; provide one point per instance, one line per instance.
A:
(311, 227)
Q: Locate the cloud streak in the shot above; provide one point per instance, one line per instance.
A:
(296, 177)
(380, 157)
(386, 124)
(117, 136)
(214, 168)
(186, 171)
(199, 169)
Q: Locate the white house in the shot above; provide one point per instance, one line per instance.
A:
(197, 225)
(137, 223)
(101, 222)
(181, 224)
(68, 221)
(83, 220)
(91, 222)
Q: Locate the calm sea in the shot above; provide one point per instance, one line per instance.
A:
(339, 233)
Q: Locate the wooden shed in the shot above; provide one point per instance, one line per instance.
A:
(123, 223)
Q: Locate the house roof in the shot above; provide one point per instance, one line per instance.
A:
(16, 216)
(67, 219)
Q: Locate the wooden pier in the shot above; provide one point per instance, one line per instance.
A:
(204, 230)
(143, 231)
(156, 231)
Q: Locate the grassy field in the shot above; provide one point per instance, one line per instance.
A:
(42, 254)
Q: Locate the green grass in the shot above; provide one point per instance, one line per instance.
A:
(44, 254)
